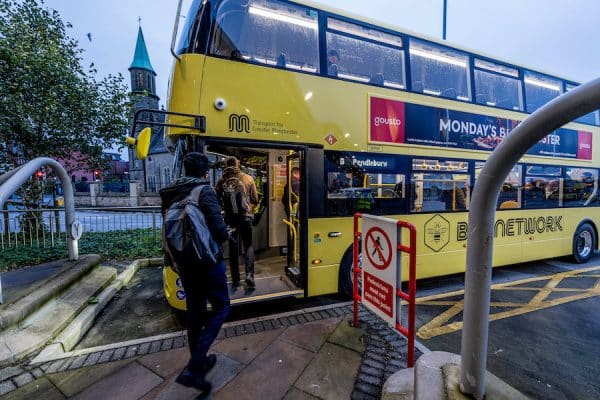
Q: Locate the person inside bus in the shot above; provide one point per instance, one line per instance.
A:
(534, 193)
(333, 58)
(295, 195)
(552, 193)
(281, 60)
(377, 79)
(454, 196)
(240, 223)
(236, 55)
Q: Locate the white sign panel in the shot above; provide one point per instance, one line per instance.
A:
(380, 265)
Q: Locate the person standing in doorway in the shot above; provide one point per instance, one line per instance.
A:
(295, 193)
(238, 196)
(203, 283)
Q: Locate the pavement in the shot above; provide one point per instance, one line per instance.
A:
(308, 354)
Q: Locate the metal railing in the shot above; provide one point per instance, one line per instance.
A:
(44, 228)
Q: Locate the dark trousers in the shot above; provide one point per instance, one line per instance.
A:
(243, 237)
(204, 284)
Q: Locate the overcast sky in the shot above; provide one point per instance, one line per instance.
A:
(559, 37)
(555, 36)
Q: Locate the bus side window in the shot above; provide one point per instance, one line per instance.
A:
(378, 59)
(278, 34)
(580, 188)
(440, 192)
(442, 71)
(540, 89)
(497, 85)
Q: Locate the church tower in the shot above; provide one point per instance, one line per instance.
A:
(143, 77)
(143, 85)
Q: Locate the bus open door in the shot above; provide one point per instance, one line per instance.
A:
(291, 202)
(275, 235)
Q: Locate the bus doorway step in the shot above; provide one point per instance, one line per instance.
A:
(293, 273)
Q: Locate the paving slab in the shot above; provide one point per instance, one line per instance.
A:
(245, 348)
(6, 386)
(166, 363)
(224, 371)
(39, 389)
(297, 394)
(128, 383)
(170, 390)
(348, 336)
(331, 374)
(311, 335)
(72, 382)
(270, 375)
(9, 372)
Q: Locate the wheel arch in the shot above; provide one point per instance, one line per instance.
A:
(594, 227)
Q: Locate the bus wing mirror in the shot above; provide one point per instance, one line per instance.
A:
(142, 143)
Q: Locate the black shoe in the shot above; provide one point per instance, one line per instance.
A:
(189, 379)
(250, 281)
(209, 363)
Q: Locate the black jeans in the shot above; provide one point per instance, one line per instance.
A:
(243, 237)
(204, 284)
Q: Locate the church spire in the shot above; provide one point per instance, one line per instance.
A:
(141, 60)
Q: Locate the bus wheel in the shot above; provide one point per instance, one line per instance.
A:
(584, 243)
(346, 278)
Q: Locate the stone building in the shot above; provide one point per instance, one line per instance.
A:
(155, 171)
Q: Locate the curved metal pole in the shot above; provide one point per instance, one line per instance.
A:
(478, 276)
(11, 181)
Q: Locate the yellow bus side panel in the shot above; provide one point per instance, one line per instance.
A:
(280, 105)
(553, 237)
(322, 279)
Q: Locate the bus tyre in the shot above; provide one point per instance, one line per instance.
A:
(584, 243)
(346, 278)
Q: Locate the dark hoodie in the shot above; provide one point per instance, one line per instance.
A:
(207, 201)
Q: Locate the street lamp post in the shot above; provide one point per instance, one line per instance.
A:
(444, 20)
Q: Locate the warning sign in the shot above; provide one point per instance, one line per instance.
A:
(380, 265)
(379, 293)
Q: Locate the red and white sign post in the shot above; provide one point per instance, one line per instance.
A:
(381, 247)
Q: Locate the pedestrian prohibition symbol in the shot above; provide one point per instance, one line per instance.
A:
(378, 248)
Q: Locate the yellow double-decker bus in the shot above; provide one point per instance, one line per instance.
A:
(379, 121)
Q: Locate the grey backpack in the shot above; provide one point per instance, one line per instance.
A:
(186, 236)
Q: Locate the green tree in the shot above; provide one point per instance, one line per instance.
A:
(49, 104)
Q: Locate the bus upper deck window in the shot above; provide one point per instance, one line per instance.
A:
(367, 56)
(497, 85)
(540, 89)
(439, 71)
(591, 118)
(267, 32)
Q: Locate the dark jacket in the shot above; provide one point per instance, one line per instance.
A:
(207, 201)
